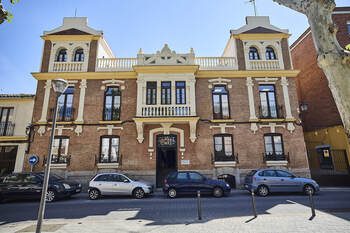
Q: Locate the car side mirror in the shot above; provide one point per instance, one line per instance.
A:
(126, 181)
(293, 177)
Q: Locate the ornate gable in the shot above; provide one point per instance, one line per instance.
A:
(165, 57)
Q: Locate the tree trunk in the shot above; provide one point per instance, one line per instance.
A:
(332, 59)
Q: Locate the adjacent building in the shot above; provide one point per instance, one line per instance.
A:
(163, 111)
(325, 137)
(15, 116)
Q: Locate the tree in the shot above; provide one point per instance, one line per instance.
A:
(332, 58)
(4, 14)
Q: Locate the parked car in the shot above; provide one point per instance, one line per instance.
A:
(189, 182)
(265, 181)
(29, 186)
(117, 184)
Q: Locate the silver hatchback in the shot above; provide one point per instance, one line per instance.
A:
(265, 181)
(117, 184)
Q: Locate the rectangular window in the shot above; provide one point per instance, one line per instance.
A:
(151, 93)
(223, 147)
(109, 149)
(221, 108)
(180, 93)
(273, 145)
(60, 150)
(65, 105)
(268, 107)
(166, 93)
(112, 104)
(6, 125)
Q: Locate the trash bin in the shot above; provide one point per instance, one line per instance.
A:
(230, 179)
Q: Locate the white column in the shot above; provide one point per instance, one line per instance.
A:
(140, 97)
(158, 92)
(173, 93)
(284, 84)
(250, 85)
(83, 86)
(192, 95)
(46, 101)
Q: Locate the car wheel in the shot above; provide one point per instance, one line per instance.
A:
(218, 192)
(172, 193)
(94, 194)
(50, 195)
(139, 193)
(263, 191)
(309, 189)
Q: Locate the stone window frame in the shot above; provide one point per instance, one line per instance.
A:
(273, 50)
(75, 50)
(182, 96)
(104, 102)
(165, 96)
(153, 89)
(269, 116)
(253, 53)
(272, 135)
(222, 153)
(59, 155)
(58, 52)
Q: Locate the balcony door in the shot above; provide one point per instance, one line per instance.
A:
(7, 159)
(166, 157)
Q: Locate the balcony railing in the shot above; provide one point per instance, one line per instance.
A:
(166, 111)
(275, 157)
(264, 65)
(265, 113)
(58, 159)
(6, 128)
(115, 64)
(67, 67)
(68, 115)
(216, 63)
(107, 159)
(225, 158)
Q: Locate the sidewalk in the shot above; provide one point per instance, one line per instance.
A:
(323, 222)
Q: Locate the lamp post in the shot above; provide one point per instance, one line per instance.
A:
(59, 86)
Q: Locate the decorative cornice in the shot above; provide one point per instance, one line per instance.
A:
(166, 69)
(246, 73)
(85, 75)
(262, 36)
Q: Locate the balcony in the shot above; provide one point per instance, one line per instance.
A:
(264, 65)
(166, 111)
(105, 162)
(221, 160)
(7, 128)
(67, 115)
(268, 113)
(126, 64)
(276, 159)
(67, 67)
(58, 161)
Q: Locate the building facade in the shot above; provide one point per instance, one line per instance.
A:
(165, 111)
(325, 137)
(15, 115)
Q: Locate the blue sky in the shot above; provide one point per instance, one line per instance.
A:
(129, 25)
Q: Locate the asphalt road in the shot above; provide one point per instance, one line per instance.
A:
(161, 210)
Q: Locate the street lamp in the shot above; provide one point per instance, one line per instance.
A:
(303, 107)
(59, 86)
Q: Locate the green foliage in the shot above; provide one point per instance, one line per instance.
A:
(5, 14)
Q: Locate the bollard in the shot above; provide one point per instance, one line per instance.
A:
(312, 204)
(199, 205)
(253, 202)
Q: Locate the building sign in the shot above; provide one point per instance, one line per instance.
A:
(185, 162)
(326, 153)
(166, 140)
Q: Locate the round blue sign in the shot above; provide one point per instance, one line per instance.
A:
(33, 160)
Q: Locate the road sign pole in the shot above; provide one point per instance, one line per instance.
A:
(31, 168)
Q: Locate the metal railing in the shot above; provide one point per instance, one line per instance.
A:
(58, 159)
(266, 113)
(275, 157)
(63, 115)
(107, 159)
(224, 158)
(7, 128)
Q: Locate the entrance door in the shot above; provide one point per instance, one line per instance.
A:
(166, 157)
(7, 159)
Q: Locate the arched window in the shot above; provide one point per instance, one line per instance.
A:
(270, 54)
(62, 55)
(112, 104)
(253, 54)
(79, 55)
(220, 103)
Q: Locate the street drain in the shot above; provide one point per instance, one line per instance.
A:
(45, 228)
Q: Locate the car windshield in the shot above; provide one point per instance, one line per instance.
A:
(53, 177)
(251, 173)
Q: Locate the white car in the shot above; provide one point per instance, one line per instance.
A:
(117, 184)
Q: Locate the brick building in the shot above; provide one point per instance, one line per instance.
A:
(325, 136)
(166, 111)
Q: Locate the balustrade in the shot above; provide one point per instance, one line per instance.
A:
(165, 111)
(115, 64)
(264, 65)
(67, 67)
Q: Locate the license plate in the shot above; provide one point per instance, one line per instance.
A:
(77, 191)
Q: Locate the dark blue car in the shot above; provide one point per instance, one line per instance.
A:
(189, 182)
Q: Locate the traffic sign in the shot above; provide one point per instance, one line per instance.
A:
(33, 160)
